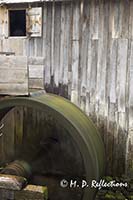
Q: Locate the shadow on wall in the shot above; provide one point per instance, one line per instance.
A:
(115, 142)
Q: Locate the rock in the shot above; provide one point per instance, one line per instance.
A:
(32, 192)
(11, 182)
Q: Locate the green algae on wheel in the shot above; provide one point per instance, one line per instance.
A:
(78, 141)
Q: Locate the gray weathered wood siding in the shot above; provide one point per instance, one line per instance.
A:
(13, 75)
(87, 49)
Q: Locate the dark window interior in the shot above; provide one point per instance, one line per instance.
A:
(17, 26)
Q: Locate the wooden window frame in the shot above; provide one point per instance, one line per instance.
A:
(27, 35)
(8, 22)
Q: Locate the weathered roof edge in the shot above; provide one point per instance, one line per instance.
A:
(27, 1)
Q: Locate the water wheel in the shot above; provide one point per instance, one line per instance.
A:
(63, 145)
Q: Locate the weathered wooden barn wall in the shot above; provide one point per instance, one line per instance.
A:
(87, 49)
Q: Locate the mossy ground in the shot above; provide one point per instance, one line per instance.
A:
(121, 193)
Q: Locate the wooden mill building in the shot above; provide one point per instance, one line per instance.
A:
(79, 49)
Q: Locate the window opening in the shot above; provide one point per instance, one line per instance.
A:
(17, 23)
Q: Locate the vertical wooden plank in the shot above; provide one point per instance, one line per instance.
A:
(131, 20)
(75, 65)
(125, 12)
(25, 47)
(70, 51)
(88, 72)
(121, 73)
(93, 76)
(66, 43)
(89, 58)
(93, 23)
(100, 52)
(52, 38)
(35, 47)
(102, 57)
(5, 22)
(83, 54)
(48, 45)
(94, 19)
(87, 108)
(57, 31)
(113, 67)
(121, 95)
(131, 77)
(110, 130)
(116, 20)
(75, 53)
(62, 41)
(111, 137)
(31, 47)
(93, 73)
(76, 20)
(44, 42)
(38, 47)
